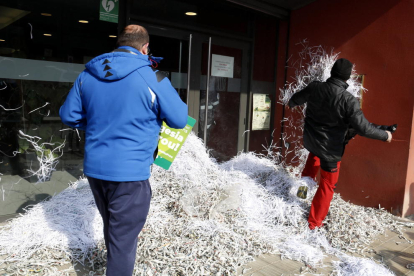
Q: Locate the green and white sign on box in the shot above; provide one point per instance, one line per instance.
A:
(170, 143)
(109, 10)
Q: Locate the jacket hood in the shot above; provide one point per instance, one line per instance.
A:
(338, 82)
(117, 65)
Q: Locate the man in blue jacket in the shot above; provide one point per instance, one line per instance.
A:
(121, 103)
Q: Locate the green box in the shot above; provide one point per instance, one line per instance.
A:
(109, 10)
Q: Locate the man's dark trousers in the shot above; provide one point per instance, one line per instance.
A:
(124, 208)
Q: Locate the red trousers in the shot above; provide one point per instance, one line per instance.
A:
(324, 194)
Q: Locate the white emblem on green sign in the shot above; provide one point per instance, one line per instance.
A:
(109, 10)
(170, 143)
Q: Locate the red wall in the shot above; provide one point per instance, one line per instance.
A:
(377, 36)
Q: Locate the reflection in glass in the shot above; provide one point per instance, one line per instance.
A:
(36, 74)
(175, 61)
(223, 104)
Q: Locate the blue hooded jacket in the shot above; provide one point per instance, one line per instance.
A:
(121, 102)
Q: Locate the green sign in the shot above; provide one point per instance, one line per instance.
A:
(109, 10)
(170, 143)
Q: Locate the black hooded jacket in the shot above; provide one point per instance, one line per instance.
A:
(331, 111)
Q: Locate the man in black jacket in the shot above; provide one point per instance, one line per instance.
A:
(331, 111)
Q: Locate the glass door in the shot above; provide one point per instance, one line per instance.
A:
(174, 50)
(224, 87)
(210, 70)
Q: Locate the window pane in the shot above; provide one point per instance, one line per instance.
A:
(43, 48)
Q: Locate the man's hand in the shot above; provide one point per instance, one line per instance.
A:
(389, 136)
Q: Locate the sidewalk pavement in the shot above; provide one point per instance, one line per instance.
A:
(393, 250)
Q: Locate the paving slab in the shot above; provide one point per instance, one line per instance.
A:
(395, 252)
(20, 193)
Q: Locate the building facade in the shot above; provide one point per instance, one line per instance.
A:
(226, 59)
(377, 39)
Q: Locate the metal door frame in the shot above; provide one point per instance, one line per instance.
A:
(245, 81)
(196, 40)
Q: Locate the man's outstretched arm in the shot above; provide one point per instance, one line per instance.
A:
(301, 97)
(362, 126)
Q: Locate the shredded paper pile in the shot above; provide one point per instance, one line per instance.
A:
(206, 218)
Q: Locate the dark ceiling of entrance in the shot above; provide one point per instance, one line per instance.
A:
(288, 4)
(278, 8)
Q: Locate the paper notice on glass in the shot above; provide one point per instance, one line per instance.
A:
(222, 66)
(261, 112)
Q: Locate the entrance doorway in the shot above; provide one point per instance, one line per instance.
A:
(211, 75)
(174, 52)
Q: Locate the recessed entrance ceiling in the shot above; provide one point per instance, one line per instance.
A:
(288, 4)
(278, 8)
(9, 15)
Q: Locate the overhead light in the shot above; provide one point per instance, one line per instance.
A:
(83, 21)
(112, 36)
(46, 14)
(47, 34)
(2, 40)
(191, 13)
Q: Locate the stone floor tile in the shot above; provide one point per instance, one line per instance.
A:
(410, 273)
(399, 263)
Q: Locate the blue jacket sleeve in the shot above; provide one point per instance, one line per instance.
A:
(171, 108)
(72, 112)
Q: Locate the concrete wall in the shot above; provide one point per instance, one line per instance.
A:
(376, 36)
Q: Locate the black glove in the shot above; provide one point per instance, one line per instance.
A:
(391, 129)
